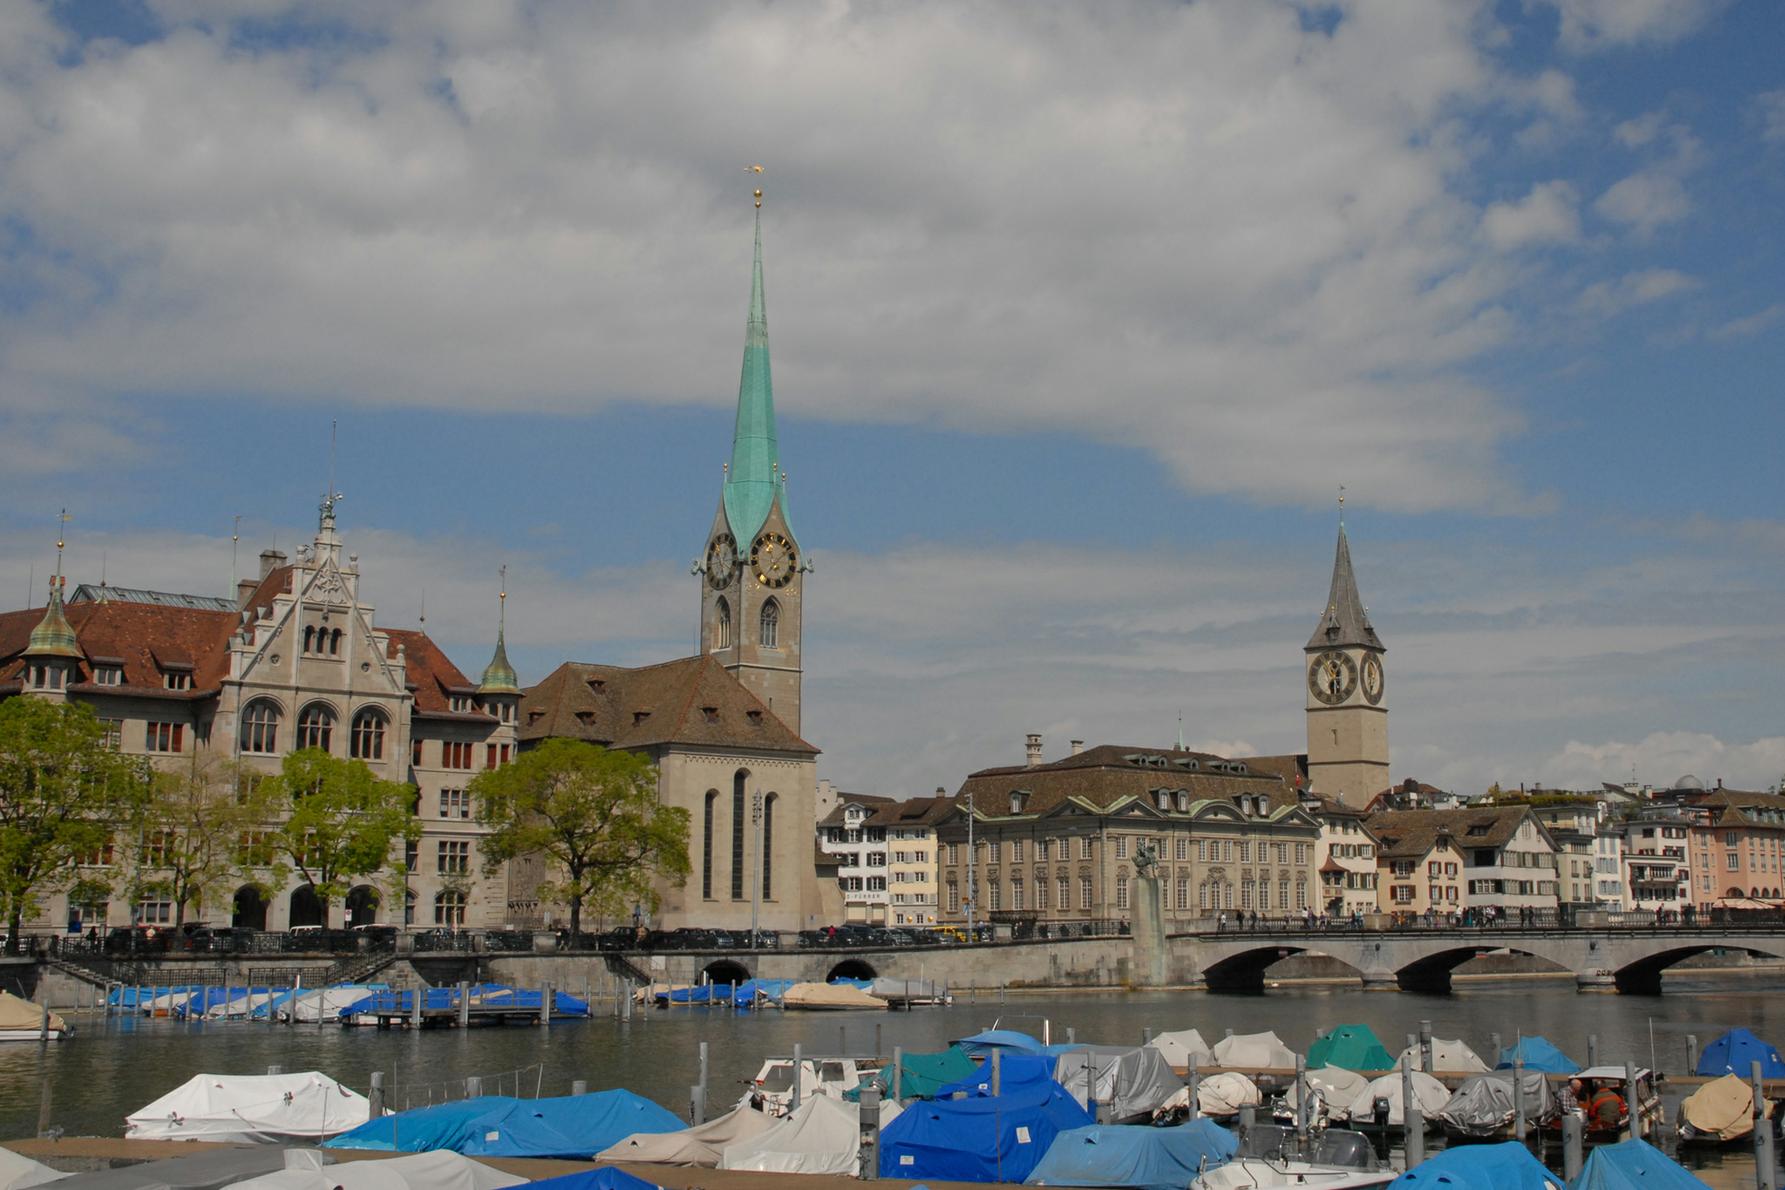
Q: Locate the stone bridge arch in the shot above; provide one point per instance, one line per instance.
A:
(852, 969)
(1241, 970)
(1431, 972)
(1642, 976)
(725, 971)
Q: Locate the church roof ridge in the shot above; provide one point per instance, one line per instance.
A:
(1345, 621)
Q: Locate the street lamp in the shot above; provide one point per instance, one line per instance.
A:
(756, 882)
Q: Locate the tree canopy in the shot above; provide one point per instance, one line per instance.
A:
(204, 830)
(593, 813)
(342, 821)
(63, 791)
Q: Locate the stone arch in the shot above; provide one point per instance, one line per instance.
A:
(362, 905)
(852, 969)
(306, 907)
(725, 971)
(1431, 971)
(1643, 976)
(1243, 970)
(250, 908)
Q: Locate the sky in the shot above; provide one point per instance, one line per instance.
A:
(1081, 315)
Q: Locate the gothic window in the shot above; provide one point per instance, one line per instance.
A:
(737, 834)
(770, 634)
(315, 727)
(368, 735)
(706, 845)
(722, 628)
(260, 727)
(310, 638)
(334, 642)
(768, 847)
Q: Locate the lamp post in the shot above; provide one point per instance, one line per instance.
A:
(756, 881)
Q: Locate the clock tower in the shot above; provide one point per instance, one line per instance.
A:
(1347, 694)
(752, 573)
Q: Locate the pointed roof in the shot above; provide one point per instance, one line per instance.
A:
(754, 477)
(499, 676)
(54, 636)
(1345, 622)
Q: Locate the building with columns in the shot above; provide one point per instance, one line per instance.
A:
(295, 660)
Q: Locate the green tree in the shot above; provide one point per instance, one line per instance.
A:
(594, 814)
(63, 791)
(341, 821)
(203, 831)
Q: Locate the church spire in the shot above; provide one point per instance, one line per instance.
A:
(1346, 621)
(754, 478)
(54, 635)
(499, 676)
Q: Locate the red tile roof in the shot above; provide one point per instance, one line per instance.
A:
(432, 675)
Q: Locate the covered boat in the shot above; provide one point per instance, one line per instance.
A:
(569, 1126)
(1355, 1047)
(922, 1076)
(997, 1138)
(251, 1108)
(596, 1179)
(987, 1040)
(21, 1020)
(1331, 1090)
(209, 1168)
(420, 1171)
(1272, 1158)
(828, 997)
(1720, 1110)
(1449, 1056)
(1127, 1083)
(1012, 1070)
(772, 1088)
(1537, 1053)
(1736, 1052)
(305, 1006)
(1429, 1095)
(908, 991)
(1223, 1094)
(699, 1146)
(1254, 1051)
(1483, 1105)
(1634, 1164)
(1181, 1046)
(822, 1136)
(1505, 1166)
(1125, 1155)
(21, 1173)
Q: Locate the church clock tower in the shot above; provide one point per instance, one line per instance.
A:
(752, 574)
(1347, 695)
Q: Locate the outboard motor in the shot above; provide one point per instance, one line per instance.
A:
(1379, 1113)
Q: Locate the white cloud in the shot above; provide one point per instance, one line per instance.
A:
(1546, 215)
(1770, 105)
(1604, 299)
(1645, 200)
(1599, 24)
(1214, 220)
(1662, 757)
(1750, 325)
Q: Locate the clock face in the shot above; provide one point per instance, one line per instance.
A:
(772, 557)
(1372, 680)
(1332, 677)
(722, 561)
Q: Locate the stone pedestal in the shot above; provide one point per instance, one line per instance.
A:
(1148, 963)
(1595, 980)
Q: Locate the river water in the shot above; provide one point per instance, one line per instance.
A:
(114, 1066)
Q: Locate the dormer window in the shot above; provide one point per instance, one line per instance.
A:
(1018, 799)
(108, 675)
(459, 703)
(1183, 801)
(755, 718)
(710, 714)
(177, 680)
(639, 717)
(598, 685)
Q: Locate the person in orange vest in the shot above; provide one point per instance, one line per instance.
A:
(1606, 1111)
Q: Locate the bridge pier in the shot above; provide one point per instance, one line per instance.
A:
(1596, 979)
(1381, 979)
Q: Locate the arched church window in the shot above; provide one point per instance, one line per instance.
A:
(738, 817)
(260, 727)
(768, 846)
(706, 848)
(368, 735)
(309, 638)
(722, 627)
(316, 727)
(334, 642)
(771, 625)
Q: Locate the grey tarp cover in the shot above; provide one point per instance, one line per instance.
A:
(907, 989)
(201, 1171)
(1181, 1046)
(1429, 1095)
(21, 1173)
(1722, 1109)
(1333, 1087)
(1483, 1104)
(697, 1146)
(1127, 1082)
(1449, 1056)
(439, 1170)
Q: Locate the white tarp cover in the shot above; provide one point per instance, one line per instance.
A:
(1224, 1094)
(1722, 1109)
(1126, 1082)
(248, 1004)
(1333, 1088)
(329, 1001)
(1254, 1051)
(250, 1108)
(20, 1173)
(1429, 1095)
(22, 1014)
(439, 1170)
(828, 996)
(697, 1146)
(907, 989)
(1180, 1047)
(1449, 1056)
(823, 1136)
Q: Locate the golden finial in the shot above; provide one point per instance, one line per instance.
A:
(755, 169)
(62, 519)
(503, 593)
(1341, 506)
(759, 198)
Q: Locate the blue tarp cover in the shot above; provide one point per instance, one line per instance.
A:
(743, 995)
(992, 1139)
(1538, 1054)
(1134, 1155)
(570, 1127)
(1507, 1166)
(1736, 1052)
(605, 1178)
(1015, 1070)
(1634, 1165)
(1000, 1039)
(489, 995)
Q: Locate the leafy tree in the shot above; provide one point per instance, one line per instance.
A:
(203, 831)
(342, 820)
(63, 791)
(594, 814)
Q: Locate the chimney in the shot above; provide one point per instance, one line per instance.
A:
(245, 588)
(1719, 782)
(270, 560)
(1077, 747)
(1032, 749)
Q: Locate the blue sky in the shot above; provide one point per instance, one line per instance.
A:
(1080, 316)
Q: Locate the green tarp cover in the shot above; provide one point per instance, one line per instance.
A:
(922, 1075)
(1355, 1047)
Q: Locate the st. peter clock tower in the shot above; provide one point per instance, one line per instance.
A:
(752, 574)
(1347, 694)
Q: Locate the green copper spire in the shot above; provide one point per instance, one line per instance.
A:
(499, 676)
(753, 478)
(54, 636)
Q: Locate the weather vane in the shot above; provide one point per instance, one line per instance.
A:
(756, 169)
